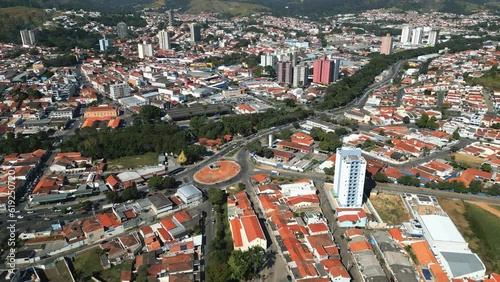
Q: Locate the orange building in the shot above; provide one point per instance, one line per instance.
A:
(104, 111)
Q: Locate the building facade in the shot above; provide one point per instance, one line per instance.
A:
(119, 90)
(349, 179)
(104, 44)
(145, 50)
(386, 45)
(300, 76)
(284, 72)
(164, 40)
(28, 37)
(268, 60)
(195, 32)
(433, 37)
(406, 34)
(326, 71)
(417, 36)
(122, 30)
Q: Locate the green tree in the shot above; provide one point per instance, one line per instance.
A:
(216, 196)
(142, 274)
(406, 120)
(169, 182)
(112, 197)
(296, 125)
(381, 177)
(456, 135)
(150, 114)
(290, 103)
(486, 167)
(246, 265)
(156, 183)
(494, 190)
(129, 193)
(476, 186)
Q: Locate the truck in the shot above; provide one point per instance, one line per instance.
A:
(275, 172)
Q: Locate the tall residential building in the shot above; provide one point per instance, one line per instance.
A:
(122, 30)
(28, 37)
(170, 18)
(145, 50)
(418, 34)
(349, 178)
(433, 36)
(104, 44)
(119, 90)
(326, 71)
(386, 46)
(268, 60)
(284, 72)
(300, 75)
(164, 40)
(195, 32)
(406, 34)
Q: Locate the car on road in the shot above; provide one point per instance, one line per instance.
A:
(213, 221)
(71, 212)
(57, 210)
(46, 218)
(20, 216)
(29, 212)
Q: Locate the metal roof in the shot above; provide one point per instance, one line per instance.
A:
(462, 264)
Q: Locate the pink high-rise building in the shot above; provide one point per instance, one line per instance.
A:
(326, 71)
(386, 46)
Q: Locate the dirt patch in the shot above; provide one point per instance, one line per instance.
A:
(491, 208)
(468, 159)
(390, 208)
(217, 172)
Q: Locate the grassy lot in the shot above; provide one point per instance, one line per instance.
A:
(88, 263)
(217, 6)
(147, 159)
(496, 207)
(490, 82)
(113, 274)
(390, 208)
(468, 159)
(60, 273)
(479, 228)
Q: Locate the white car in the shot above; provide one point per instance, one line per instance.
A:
(71, 212)
(20, 216)
(30, 212)
(46, 218)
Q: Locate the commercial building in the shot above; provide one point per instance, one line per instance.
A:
(349, 179)
(406, 34)
(63, 92)
(104, 44)
(119, 90)
(386, 46)
(145, 49)
(122, 30)
(195, 32)
(300, 75)
(433, 37)
(284, 72)
(170, 18)
(28, 37)
(101, 111)
(164, 40)
(326, 71)
(189, 194)
(417, 36)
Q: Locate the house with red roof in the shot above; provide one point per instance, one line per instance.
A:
(351, 217)
(247, 233)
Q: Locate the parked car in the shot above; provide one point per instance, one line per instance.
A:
(20, 216)
(29, 212)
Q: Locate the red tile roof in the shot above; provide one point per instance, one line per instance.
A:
(182, 216)
(252, 228)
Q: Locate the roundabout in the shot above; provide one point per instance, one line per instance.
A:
(217, 172)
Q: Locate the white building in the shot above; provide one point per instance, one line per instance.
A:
(247, 233)
(433, 37)
(145, 50)
(418, 34)
(189, 194)
(300, 188)
(349, 182)
(104, 44)
(406, 34)
(164, 40)
(300, 75)
(119, 90)
(28, 37)
(268, 60)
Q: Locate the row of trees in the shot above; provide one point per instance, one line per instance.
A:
(129, 193)
(13, 144)
(133, 140)
(244, 124)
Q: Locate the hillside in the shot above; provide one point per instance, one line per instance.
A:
(224, 7)
(96, 5)
(18, 18)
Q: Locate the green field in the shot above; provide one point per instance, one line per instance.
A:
(224, 7)
(147, 159)
(88, 263)
(486, 228)
(489, 81)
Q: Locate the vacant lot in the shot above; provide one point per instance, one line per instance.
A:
(148, 159)
(468, 159)
(494, 209)
(480, 229)
(88, 263)
(390, 208)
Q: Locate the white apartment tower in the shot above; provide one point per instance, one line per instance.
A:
(406, 34)
(433, 37)
(145, 49)
(418, 34)
(164, 40)
(119, 90)
(28, 37)
(268, 60)
(349, 178)
(300, 75)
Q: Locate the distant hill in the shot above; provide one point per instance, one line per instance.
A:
(233, 8)
(114, 6)
(13, 19)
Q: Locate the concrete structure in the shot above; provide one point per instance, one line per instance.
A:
(102, 111)
(433, 37)
(145, 49)
(349, 178)
(247, 233)
(386, 45)
(326, 71)
(28, 37)
(417, 36)
(406, 34)
(122, 30)
(284, 72)
(119, 90)
(195, 30)
(268, 60)
(189, 194)
(300, 75)
(104, 44)
(164, 40)
(63, 91)
(170, 17)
